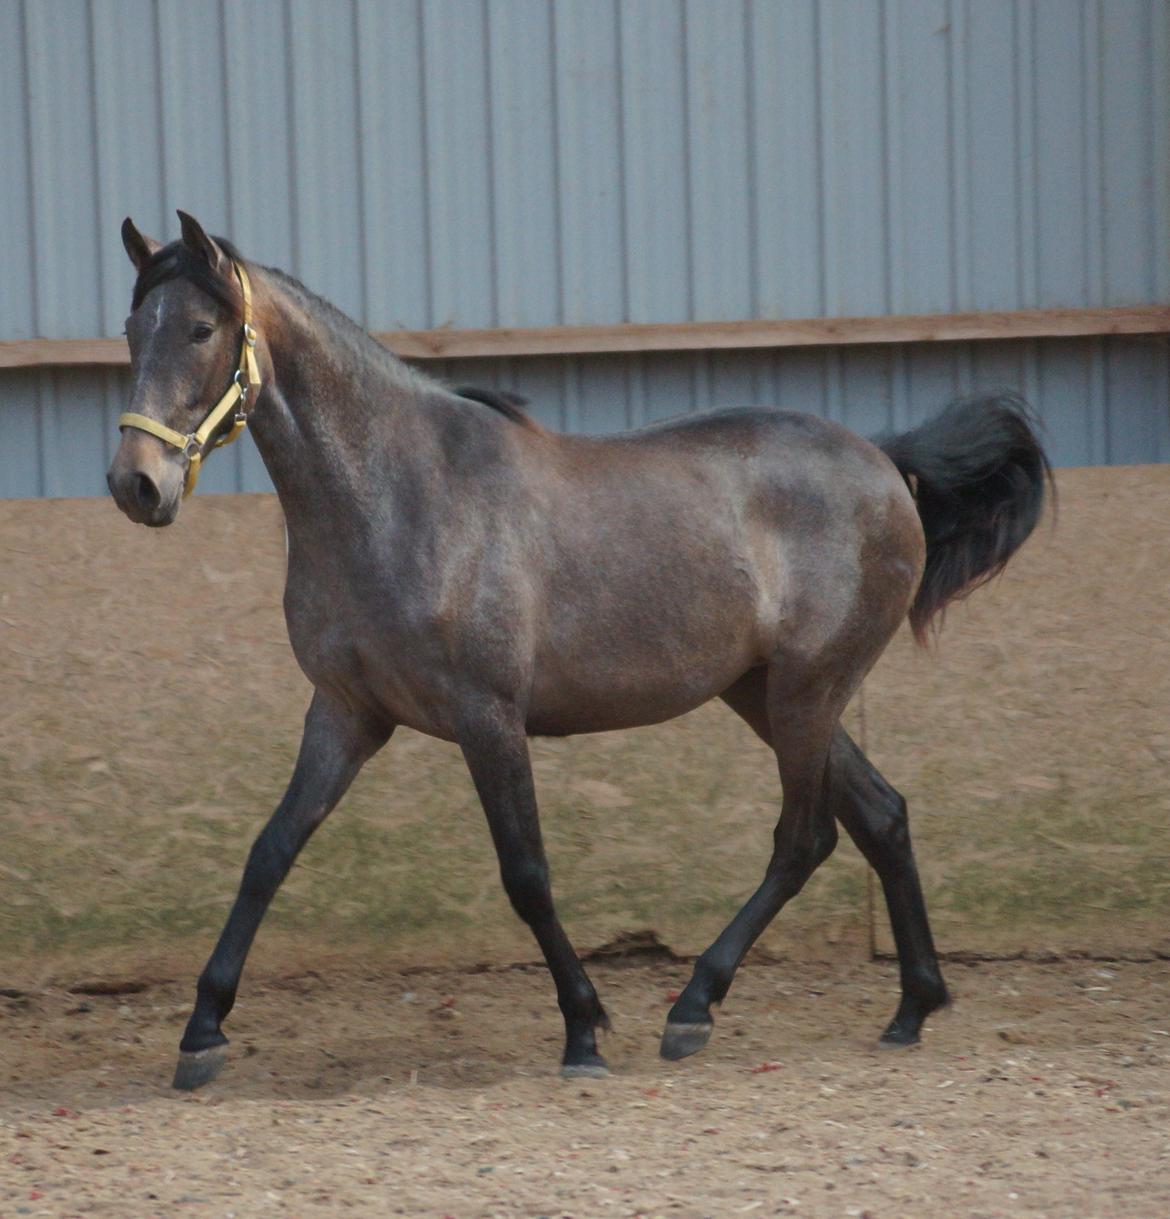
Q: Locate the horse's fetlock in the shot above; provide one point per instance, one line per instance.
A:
(926, 988)
(215, 993)
(202, 1031)
(711, 979)
(933, 991)
(580, 1002)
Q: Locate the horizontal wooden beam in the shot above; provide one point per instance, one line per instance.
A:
(450, 344)
(42, 353)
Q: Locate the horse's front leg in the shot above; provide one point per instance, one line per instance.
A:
(496, 749)
(334, 747)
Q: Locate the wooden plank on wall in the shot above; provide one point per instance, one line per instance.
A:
(681, 336)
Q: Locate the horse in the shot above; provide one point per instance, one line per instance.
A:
(455, 567)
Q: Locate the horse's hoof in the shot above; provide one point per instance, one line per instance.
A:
(903, 1032)
(593, 1068)
(682, 1040)
(897, 1043)
(198, 1067)
(900, 1035)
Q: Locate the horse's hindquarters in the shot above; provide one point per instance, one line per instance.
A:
(760, 541)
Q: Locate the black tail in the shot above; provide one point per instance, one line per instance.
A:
(979, 476)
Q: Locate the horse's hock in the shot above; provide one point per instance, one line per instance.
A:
(154, 706)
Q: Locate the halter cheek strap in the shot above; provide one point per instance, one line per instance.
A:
(245, 383)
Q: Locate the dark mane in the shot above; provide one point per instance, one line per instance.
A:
(176, 261)
(325, 307)
(508, 404)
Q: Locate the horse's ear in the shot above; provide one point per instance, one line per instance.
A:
(139, 248)
(198, 242)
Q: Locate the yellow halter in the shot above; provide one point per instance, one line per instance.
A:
(245, 382)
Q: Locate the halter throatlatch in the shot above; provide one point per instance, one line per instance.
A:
(245, 383)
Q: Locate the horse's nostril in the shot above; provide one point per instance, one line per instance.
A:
(146, 491)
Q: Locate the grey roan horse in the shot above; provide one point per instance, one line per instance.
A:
(457, 568)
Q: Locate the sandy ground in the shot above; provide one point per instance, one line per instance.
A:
(150, 715)
(1043, 1092)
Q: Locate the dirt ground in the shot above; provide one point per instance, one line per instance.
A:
(149, 714)
(1044, 1091)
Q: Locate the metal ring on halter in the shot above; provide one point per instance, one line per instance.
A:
(192, 447)
(238, 379)
(249, 335)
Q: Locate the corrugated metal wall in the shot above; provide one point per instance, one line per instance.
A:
(517, 162)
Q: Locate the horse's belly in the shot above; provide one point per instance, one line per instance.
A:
(648, 641)
(632, 680)
(574, 710)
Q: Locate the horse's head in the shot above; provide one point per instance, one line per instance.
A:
(188, 344)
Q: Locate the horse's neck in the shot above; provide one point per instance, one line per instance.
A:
(330, 414)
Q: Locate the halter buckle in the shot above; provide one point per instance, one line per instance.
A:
(249, 334)
(192, 447)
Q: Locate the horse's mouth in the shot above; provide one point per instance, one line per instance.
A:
(161, 522)
(153, 518)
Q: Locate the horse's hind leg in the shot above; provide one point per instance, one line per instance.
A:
(799, 728)
(495, 747)
(874, 816)
(333, 749)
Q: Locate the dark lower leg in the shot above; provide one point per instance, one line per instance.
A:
(805, 836)
(333, 749)
(790, 867)
(496, 750)
(874, 815)
(580, 1006)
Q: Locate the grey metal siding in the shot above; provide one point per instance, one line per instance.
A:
(520, 162)
(1094, 397)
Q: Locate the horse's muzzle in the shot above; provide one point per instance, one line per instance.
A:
(143, 496)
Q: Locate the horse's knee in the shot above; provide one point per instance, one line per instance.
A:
(526, 883)
(898, 829)
(889, 823)
(871, 807)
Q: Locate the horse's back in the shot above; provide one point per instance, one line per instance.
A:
(792, 448)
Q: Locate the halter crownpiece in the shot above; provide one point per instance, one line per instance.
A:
(245, 383)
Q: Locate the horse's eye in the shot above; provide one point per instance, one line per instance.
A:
(201, 332)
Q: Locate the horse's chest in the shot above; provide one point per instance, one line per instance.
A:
(376, 660)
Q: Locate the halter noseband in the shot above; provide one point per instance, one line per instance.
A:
(245, 382)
